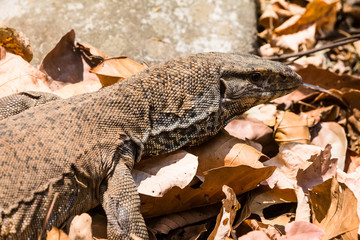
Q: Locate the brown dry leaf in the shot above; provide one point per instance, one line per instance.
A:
(290, 127)
(352, 161)
(225, 219)
(351, 96)
(66, 63)
(263, 112)
(157, 175)
(115, 70)
(80, 227)
(15, 42)
(17, 75)
(326, 79)
(164, 224)
(290, 158)
(226, 150)
(301, 40)
(298, 30)
(269, 18)
(264, 197)
(78, 88)
(319, 12)
(295, 96)
(269, 230)
(353, 127)
(240, 178)
(322, 168)
(277, 12)
(332, 206)
(191, 232)
(321, 114)
(56, 234)
(98, 226)
(254, 130)
(334, 134)
(352, 181)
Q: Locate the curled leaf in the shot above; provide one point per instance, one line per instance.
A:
(115, 70)
(15, 42)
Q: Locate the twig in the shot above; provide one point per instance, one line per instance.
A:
(336, 43)
(48, 215)
(320, 89)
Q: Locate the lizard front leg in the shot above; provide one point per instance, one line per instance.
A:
(121, 203)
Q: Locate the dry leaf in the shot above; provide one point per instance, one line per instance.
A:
(255, 130)
(322, 168)
(78, 88)
(56, 234)
(352, 161)
(302, 40)
(332, 206)
(225, 219)
(155, 176)
(263, 112)
(290, 127)
(328, 80)
(114, 70)
(240, 178)
(164, 224)
(299, 30)
(226, 150)
(303, 208)
(352, 181)
(15, 42)
(269, 230)
(353, 127)
(98, 226)
(264, 197)
(333, 134)
(65, 63)
(323, 114)
(290, 158)
(321, 12)
(351, 96)
(17, 75)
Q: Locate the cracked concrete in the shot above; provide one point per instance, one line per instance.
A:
(151, 31)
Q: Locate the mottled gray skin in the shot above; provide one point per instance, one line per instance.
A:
(84, 147)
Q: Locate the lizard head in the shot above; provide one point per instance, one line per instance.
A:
(248, 80)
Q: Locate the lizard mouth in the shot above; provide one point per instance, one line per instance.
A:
(281, 90)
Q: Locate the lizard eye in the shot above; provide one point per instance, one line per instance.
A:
(255, 77)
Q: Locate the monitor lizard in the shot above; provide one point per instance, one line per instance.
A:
(84, 147)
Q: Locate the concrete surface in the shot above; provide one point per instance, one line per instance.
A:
(145, 30)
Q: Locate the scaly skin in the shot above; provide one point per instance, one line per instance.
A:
(84, 147)
(19, 102)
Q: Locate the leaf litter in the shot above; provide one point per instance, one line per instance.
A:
(284, 170)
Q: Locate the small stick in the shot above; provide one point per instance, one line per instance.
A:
(48, 214)
(336, 43)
